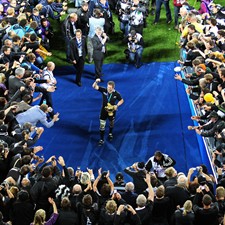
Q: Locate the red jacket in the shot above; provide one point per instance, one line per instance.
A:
(177, 3)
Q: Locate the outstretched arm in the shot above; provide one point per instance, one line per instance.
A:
(95, 84)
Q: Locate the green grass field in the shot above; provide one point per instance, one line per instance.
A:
(160, 41)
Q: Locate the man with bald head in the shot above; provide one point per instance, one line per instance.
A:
(129, 195)
(76, 196)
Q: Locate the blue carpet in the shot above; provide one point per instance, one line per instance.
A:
(155, 115)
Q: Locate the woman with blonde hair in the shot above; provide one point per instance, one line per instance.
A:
(40, 215)
(108, 213)
(185, 215)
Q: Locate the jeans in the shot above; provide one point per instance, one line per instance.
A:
(124, 27)
(158, 9)
(176, 14)
(136, 56)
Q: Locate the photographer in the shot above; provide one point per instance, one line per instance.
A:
(48, 182)
(103, 5)
(135, 44)
(137, 16)
(123, 8)
(124, 213)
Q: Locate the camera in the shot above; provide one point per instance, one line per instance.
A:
(50, 109)
(143, 2)
(202, 187)
(197, 168)
(126, 10)
(133, 38)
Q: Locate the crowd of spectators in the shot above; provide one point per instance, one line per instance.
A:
(38, 191)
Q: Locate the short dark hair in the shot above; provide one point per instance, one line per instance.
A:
(158, 153)
(87, 200)
(33, 37)
(16, 38)
(23, 22)
(5, 48)
(207, 200)
(46, 171)
(25, 169)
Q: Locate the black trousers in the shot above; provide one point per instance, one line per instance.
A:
(48, 97)
(79, 67)
(98, 67)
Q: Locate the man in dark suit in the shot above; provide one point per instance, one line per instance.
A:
(78, 53)
(99, 50)
(69, 31)
(15, 82)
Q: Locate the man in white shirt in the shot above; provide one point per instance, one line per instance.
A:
(47, 75)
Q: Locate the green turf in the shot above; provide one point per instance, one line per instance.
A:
(160, 41)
